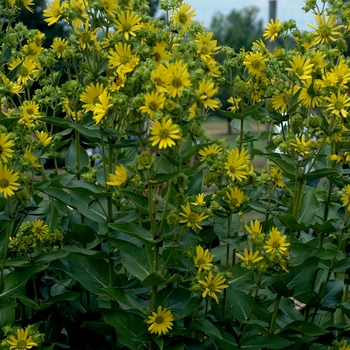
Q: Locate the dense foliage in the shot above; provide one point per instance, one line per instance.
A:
(123, 225)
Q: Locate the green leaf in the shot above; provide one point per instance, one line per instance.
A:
(14, 283)
(125, 300)
(333, 294)
(58, 194)
(290, 222)
(64, 296)
(156, 279)
(141, 202)
(82, 233)
(241, 278)
(9, 123)
(325, 227)
(236, 124)
(284, 162)
(162, 178)
(300, 278)
(279, 287)
(88, 188)
(7, 316)
(232, 115)
(309, 208)
(321, 173)
(342, 265)
(71, 162)
(134, 259)
(207, 327)
(128, 326)
(134, 230)
(93, 211)
(306, 328)
(268, 342)
(91, 273)
(93, 254)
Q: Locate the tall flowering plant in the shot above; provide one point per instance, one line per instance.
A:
(164, 237)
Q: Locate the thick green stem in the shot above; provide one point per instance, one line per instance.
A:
(275, 313)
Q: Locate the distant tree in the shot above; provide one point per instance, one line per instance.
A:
(237, 29)
(35, 20)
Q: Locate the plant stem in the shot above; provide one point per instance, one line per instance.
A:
(275, 313)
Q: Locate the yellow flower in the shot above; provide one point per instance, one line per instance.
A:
(122, 58)
(213, 286)
(158, 78)
(90, 96)
(110, 6)
(276, 242)
(27, 3)
(161, 321)
(206, 90)
(28, 69)
(342, 71)
(154, 102)
(301, 146)
(235, 103)
(310, 95)
(13, 88)
(249, 259)
(237, 165)
(255, 62)
(43, 137)
(86, 37)
(325, 32)
(345, 196)
(206, 47)
(281, 101)
(213, 67)
(39, 229)
(78, 8)
(200, 202)
(6, 145)
(272, 29)
(127, 23)
(235, 197)
(328, 79)
(119, 177)
(338, 103)
(164, 133)
(54, 12)
(203, 259)
(30, 157)
(209, 151)
(100, 110)
(8, 180)
(159, 53)
(117, 81)
(183, 16)
(254, 229)
(30, 110)
(59, 45)
(176, 78)
(191, 219)
(277, 177)
(22, 342)
(301, 67)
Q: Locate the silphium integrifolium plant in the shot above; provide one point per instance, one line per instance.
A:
(125, 226)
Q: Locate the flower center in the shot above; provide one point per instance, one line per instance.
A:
(192, 218)
(159, 319)
(299, 71)
(276, 244)
(182, 18)
(232, 169)
(126, 27)
(153, 106)
(324, 31)
(23, 72)
(163, 133)
(4, 183)
(201, 262)
(338, 106)
(21, 345)
(256, 64)
(30, 111)
(177, 83)
(124, 59)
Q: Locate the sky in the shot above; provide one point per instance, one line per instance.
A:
(286, 9)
